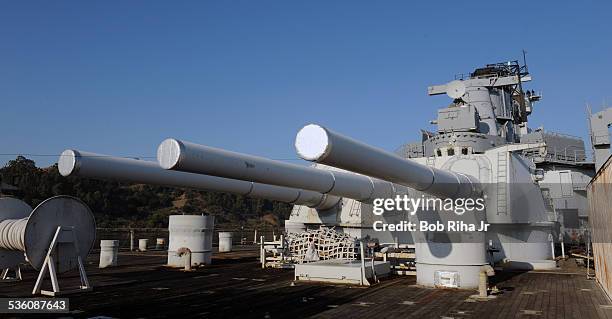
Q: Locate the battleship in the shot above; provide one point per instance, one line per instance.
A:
(335, 258)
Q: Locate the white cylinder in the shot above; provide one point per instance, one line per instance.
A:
(142, 244)
(109, 249)
(194, 232)
(225, 242)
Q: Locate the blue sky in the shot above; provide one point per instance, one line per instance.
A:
(117, 77)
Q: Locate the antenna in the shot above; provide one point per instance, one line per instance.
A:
(589, 114)
(525, 60)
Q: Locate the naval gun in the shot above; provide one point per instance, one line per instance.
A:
(93, 165)
(318, 144)
(173, 154)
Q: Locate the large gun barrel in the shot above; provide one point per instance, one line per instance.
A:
(318, 144)
(92, 165)
(189, 157)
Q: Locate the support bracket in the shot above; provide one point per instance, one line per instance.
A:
(5, 277)
(63, 235)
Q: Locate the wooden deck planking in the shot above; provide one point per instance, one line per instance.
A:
(234, 286)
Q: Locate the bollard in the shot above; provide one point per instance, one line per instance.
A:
(225, 242)
(142, 244)
(109, 249)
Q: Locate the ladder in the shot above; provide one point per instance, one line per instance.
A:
(355, 209)
(502, 182)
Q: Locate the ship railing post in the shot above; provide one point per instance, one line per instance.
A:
(363, 278)
(262, 252)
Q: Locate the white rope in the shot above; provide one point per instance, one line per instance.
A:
(11, 234)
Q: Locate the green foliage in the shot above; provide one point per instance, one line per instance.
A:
(134, 205)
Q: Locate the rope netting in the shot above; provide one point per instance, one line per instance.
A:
(320, 244)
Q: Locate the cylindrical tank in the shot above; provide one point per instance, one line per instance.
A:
(194, 232)
(142, 244)
(225, 242)
(109, 249)
(292, 227)
(190, 157)
(92, 165)
(318, 144)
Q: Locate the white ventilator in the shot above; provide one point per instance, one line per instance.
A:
(32, 232)
(55, 237)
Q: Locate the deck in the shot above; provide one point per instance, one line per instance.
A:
(236, 287)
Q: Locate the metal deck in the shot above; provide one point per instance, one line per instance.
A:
(235, 286)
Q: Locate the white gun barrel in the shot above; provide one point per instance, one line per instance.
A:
(318, 144)
(190, 157)
(92, 165)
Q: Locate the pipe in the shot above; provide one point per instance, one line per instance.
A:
(318, 144)
(562, 249)
(552, 248)
(190, 157)
(185, 253)
(92, 165)
(483, 283)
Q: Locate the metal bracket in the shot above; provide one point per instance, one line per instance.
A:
(63, 235)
